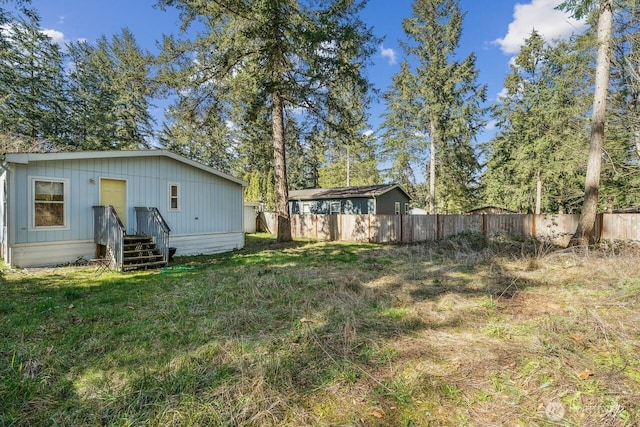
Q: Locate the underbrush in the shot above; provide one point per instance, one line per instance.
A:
(465, 331)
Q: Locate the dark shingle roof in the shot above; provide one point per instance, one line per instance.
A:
(343, 192)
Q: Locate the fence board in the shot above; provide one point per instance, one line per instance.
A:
(621, 227)
(450, 225)
(355, 228)
(388, 228)
(507, 225)
(555, 228)
(417, 228)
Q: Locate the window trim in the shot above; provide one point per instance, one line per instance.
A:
(406, 208)
(332, 204)
(306, 208)
(32, 203)
(396, 208)
(170, 197)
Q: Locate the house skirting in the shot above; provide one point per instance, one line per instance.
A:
(205, 244)
(49, 254)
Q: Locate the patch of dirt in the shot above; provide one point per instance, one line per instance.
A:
(529, 306)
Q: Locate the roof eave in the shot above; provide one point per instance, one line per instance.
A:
(25, 158)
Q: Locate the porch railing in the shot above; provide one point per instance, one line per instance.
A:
(109, 231)
(150, 223)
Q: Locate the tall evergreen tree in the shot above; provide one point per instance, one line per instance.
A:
(110, 94)
(621, 161)
(20, 7)
(535, 161)
(31, 87)
(350, 164)
(133, 89)
(446, 104)
(282, 54)
(196, 133)
(403, 146)
(91, 99)
(580, 8)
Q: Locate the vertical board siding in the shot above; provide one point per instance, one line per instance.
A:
(557, 229)
(3, 236)
(209, 204)
(386, 202)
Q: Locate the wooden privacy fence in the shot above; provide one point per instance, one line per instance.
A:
(417, 228)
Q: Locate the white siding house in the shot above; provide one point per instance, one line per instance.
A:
(48, 199)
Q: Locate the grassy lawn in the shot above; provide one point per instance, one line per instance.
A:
(462, 332)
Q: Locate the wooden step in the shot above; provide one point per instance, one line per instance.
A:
(131, 259)
(139, 246)
(141, 266)
(140, 252)
(135, 251)
(137, 239)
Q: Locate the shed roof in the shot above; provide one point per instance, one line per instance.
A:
(632, 209)
(491, 209)
(370, 191)
(25, 158)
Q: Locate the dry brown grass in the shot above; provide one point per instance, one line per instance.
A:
(464, 332)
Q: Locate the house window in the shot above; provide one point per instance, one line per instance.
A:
(397, 208)
(174, 197)
(335, 208)
(49, 197)
(306, 208)
(406, 208)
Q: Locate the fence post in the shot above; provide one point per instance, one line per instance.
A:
(484, 225)
(601, 223)
(533, 226)
(437, 227)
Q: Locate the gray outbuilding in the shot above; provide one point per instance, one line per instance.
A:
(384, 199)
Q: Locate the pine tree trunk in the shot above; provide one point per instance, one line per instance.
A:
(432, 170)
(280, 170)
(538, 195)
(637, 139)
(587, 220)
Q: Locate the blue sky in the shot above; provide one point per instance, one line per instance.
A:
(493, 29)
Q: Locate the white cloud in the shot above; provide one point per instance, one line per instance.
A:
(542, 16)
(368, 133)
(56, 36)
(389, 54)
(503, 93)
(491, 125)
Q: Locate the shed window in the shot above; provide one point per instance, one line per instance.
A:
(335, 207)
(406, 208)
(174, 197)
(306, 208)
(49, 198)
(397, 208)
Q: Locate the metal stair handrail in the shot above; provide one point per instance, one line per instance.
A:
(150, 223)
(109, 232)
